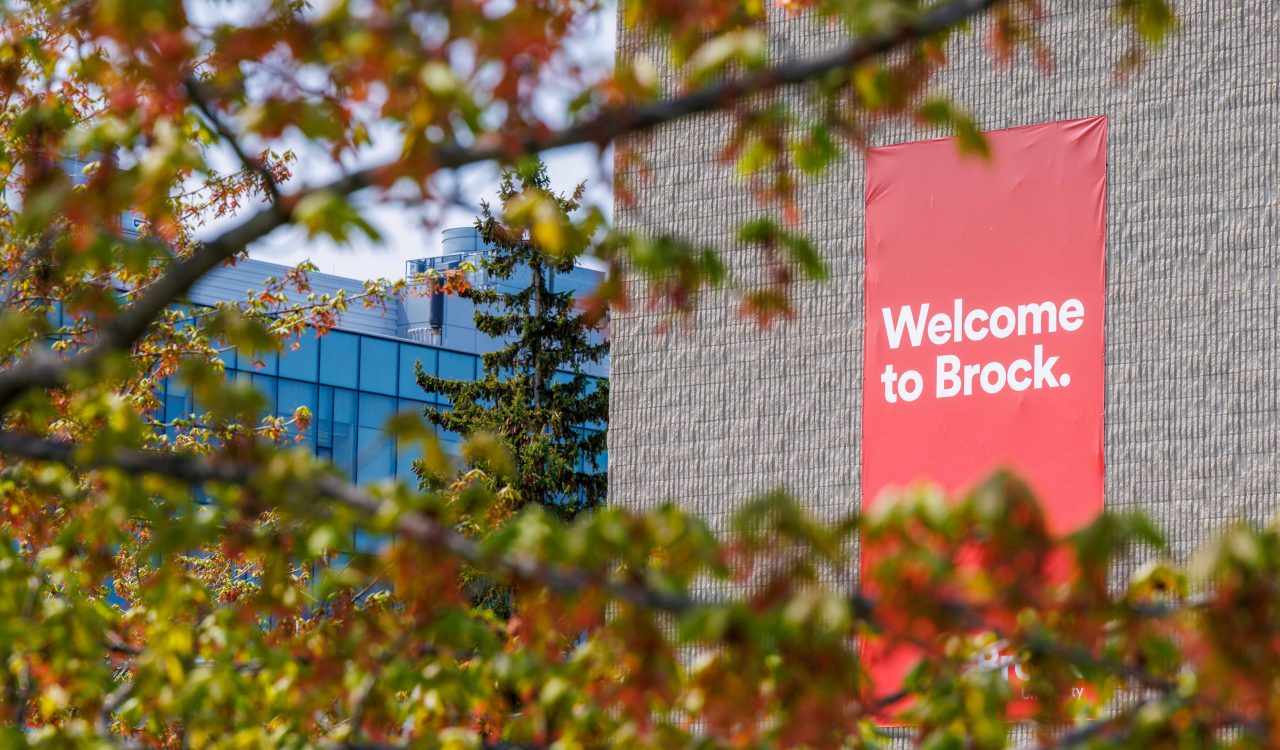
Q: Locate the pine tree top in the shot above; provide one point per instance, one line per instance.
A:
(533, 396)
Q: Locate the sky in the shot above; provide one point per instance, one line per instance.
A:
(404, 229)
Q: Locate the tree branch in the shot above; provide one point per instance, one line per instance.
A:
(624, 120)
(432, 533)
(224, 132)
(418, 527)
(429, 531)
(42, 369)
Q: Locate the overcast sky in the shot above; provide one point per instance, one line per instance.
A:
(404, 228)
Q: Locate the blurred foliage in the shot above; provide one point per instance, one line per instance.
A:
(187, 581)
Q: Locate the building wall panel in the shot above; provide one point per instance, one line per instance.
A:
(717, 410)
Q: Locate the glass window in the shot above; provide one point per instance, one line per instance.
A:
(597, 464)
(266, 385)
(409, 354)
(375, 410)
(376, 452)
(293, 394)
(455, 366)
(406, 454)
(339, 357)
(303, 362)
(177, 403)
(378, 366)
(228, 356)
(264, 363)
(408, 451)
(335, 428)
(55, 315)
(369, 544)
(324, 421)
(450, 442)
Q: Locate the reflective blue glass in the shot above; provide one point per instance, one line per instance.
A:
(266, 385)
(593, 385)
(177, 400)
(376, 451)
(376, 410)
(408, 451)
(378, 366)
(335, 428)
(177, 403)
(227, 353)
(54, 315)
(339, 358)
(409, 354)
(265, 363)
(293, 394)
(597, 464)
(228, 356)
(369, 544)
(302, 363)
(450, 441)
(456, 366)
(262, 363)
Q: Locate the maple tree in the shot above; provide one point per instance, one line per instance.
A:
(170, 585)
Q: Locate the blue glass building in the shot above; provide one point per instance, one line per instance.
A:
(361, 373)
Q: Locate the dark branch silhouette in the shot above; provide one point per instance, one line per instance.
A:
(42, 369)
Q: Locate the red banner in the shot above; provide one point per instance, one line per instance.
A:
(984, 320)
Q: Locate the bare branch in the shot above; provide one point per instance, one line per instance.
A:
(251, 163)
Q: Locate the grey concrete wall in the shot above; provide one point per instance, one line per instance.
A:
(718, 409)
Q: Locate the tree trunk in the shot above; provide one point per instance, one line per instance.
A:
(539, 307)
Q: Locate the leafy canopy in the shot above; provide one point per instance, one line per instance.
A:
(190, 583)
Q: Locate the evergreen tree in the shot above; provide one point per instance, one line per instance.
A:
(526, 399)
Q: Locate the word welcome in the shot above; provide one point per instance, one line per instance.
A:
(914, 326)
(976, 324)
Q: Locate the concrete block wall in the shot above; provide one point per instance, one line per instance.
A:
(717, 409)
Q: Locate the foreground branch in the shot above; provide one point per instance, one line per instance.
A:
(431, 532)
(427, 530)
(615, 122)
(420, 528)
(43, 369)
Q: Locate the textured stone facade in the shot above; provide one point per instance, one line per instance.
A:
(715, 411)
